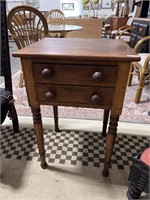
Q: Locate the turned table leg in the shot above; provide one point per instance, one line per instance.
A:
(39, 134)
(55, 111)
(110, 141)
(105, 121)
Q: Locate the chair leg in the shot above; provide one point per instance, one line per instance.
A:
(130, 76)
(15, 121)
(55, 110)
(105, 122)
(140, 88)
(21, 79)
(13, 115)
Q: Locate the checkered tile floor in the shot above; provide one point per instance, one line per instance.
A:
(70, 147)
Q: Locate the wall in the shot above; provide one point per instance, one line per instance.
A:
(75, 11)
(57, 4)
(46, 5)
(105, 12)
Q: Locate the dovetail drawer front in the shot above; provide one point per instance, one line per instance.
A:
(95, 97)
(75, 74)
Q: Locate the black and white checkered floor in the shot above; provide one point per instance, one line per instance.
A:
(71, 147)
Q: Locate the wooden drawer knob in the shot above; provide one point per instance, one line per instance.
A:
(96, 99)
(49, 95)
(46, 73)
(97, 76)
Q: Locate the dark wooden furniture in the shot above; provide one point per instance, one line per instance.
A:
(6, 92)
(77, 72)
(140, 29)
(117, 22)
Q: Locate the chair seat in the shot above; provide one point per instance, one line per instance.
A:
(114, 32)
(126, 38)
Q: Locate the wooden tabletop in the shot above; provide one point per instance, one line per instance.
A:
(79, 48)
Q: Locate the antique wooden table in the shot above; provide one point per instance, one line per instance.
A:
(76, 72)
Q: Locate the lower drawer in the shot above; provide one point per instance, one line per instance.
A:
(94, 97)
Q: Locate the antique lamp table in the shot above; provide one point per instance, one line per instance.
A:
(89, 73)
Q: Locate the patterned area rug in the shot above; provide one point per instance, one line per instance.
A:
(131, 112)
(69, 147)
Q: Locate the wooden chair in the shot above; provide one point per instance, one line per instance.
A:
(6, 91)
(140, 69)
(123, 32)
(55, 17)
(27, 25)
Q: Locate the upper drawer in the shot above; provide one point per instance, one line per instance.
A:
(142, 30)
(74, 74)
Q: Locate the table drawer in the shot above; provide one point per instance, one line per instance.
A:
(95, 97)
(75, 74)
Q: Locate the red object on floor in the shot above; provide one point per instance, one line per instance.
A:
(145, 157)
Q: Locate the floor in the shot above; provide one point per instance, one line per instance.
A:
(15, 62)
(23, 178)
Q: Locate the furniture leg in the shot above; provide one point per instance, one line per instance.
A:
(13, 115)
(39, 134)
(64, 34)
(139, 89)
(105, 121)
(110, 141)
(55, 110)
(130, 76)
(21, 79)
